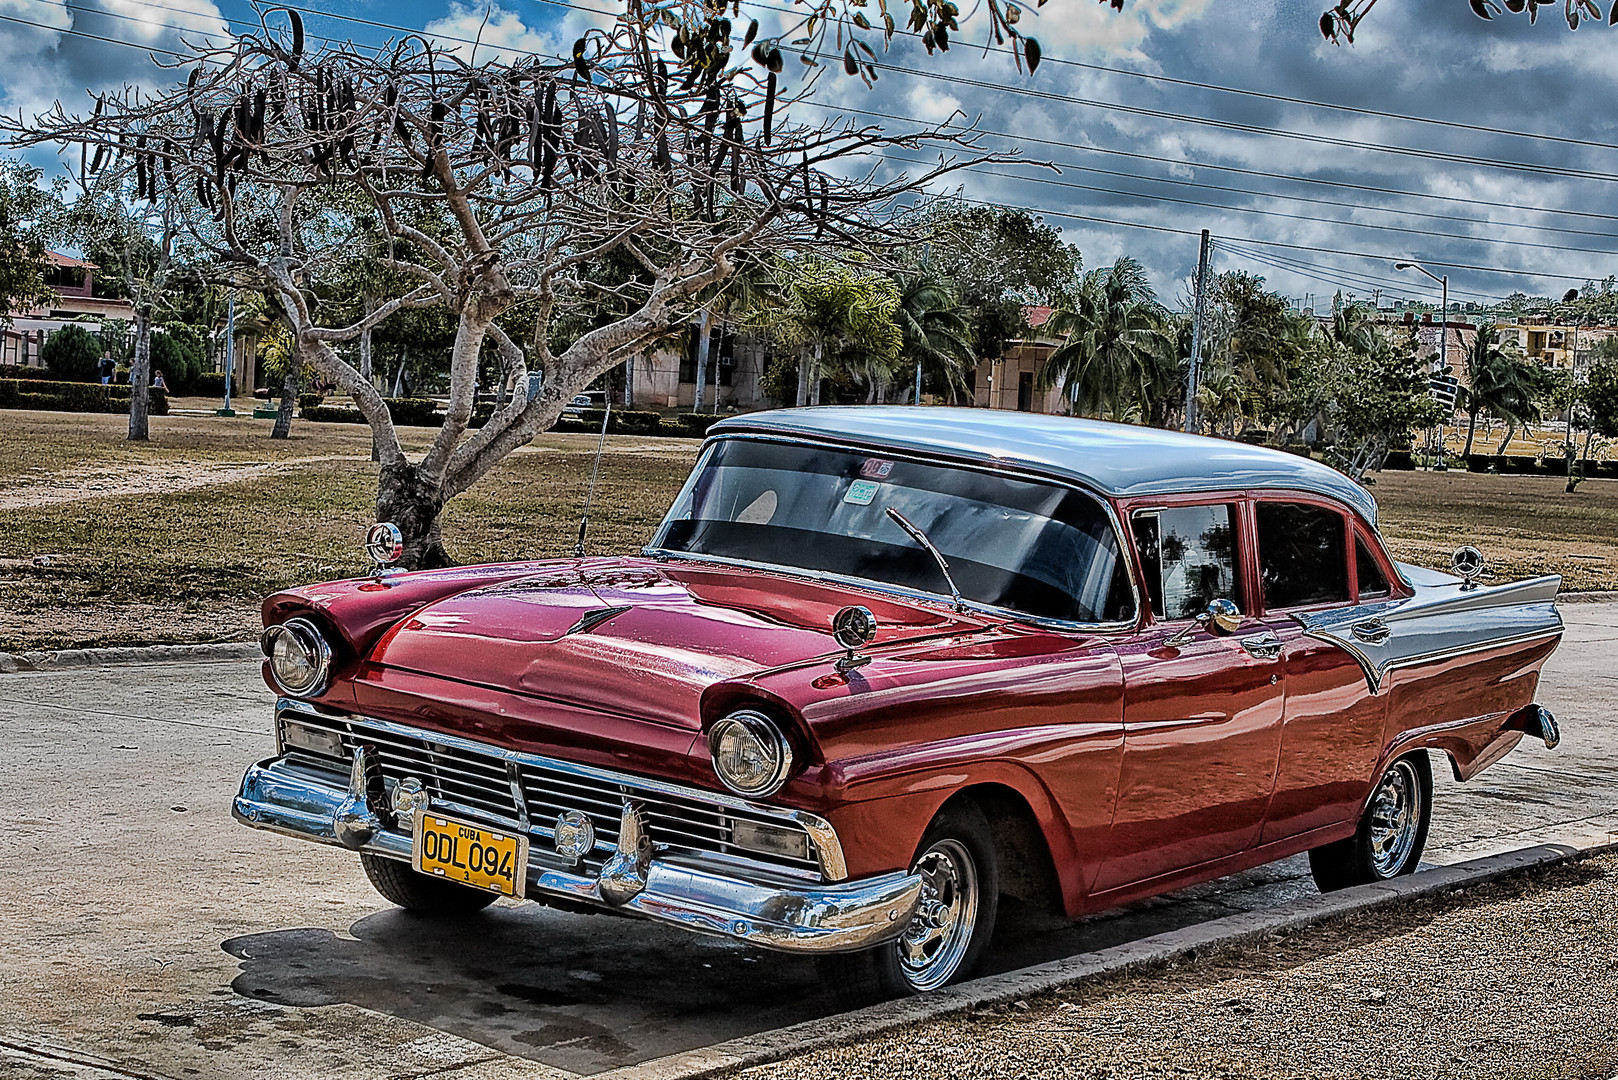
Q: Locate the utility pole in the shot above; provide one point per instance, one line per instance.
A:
(230, 352)
(1196, 336)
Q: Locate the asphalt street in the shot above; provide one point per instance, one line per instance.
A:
(147, 935)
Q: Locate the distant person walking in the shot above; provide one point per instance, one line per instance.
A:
(107, 367)
(158, 383)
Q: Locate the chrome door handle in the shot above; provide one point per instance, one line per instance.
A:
(1372, 631)
(1262, 646)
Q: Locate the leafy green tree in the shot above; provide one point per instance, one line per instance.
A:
(23, 205)
(1600, 393)
(1118, 354)
(934, 330)
(175, 361)
(1499, 380)
(999, 261)
(72, 353)
(1374, 399)
(839, 319)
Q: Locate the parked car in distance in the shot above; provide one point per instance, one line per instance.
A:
(879, 666)
(590, 399)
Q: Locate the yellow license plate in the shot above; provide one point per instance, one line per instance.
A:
(470, 854)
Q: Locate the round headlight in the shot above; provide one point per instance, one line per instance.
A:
(750, 754)
(300, 659)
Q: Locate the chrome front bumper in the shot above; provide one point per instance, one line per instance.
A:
(823, 918)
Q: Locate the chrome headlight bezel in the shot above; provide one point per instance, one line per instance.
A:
(307, 636)
(772, 743)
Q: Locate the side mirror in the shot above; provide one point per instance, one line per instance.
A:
(1222, 617)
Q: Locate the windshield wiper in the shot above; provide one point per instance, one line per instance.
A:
(921, 538)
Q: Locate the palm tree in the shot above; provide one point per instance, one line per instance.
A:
(935, 335)
(841, 315)
(1118, 351)
(1501, 380)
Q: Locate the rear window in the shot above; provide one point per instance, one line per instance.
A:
(1302, 554)
(1373, 582)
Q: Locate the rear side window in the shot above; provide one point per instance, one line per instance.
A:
(1373, 582)
(1302, 555)
(1188, 558)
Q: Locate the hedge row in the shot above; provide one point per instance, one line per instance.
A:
(1527, 465)
(74, 397)
(211, 384)
(406, 412)
(32, 374)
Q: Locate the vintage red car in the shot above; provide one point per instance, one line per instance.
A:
(879, 666)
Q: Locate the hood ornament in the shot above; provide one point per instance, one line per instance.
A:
(1467, 563)
(594, 618)
(384, 543)
(853, 628)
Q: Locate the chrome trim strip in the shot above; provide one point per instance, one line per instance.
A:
(829, 850)
(792, 917)
(653, 552)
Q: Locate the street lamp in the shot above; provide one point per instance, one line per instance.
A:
(1443, 335)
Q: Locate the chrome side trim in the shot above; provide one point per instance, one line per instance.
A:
(787, 916)
(1439, 623)
(1124, 547)
(829, 849)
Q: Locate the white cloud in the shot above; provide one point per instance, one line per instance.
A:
(500, 34)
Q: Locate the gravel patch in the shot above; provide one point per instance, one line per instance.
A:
(1513, 980)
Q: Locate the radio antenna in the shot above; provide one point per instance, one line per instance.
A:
(595, 471)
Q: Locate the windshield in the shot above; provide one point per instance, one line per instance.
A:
(1031, 547)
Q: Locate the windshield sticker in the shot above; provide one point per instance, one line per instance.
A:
(861, 492)
(875, 469)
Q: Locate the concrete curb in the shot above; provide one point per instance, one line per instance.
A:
(59, 659)
(1161, 950)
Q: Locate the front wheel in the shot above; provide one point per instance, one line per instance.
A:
(950, 931)
(429, 896)
(1392, 832)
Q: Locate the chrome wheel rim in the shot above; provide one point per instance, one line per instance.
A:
(1395, 818)
(935, 942)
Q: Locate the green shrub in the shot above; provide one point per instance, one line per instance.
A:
(622, 422)
(23, 371)
(690, 425)
(74, 397)
(170, 357)
(73, 353)
(212, 384)
(310, 401)
(417, 412)
(333, 414)
(189, 353)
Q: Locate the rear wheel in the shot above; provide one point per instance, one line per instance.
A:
(1392, 832)
(423, 895)
(949, 933)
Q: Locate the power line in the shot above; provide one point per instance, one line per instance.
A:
(1183, 163)
(1267, 213)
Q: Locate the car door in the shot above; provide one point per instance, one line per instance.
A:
(1202, 709)
(1312, 560)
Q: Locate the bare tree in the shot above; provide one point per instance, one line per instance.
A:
(496, 186)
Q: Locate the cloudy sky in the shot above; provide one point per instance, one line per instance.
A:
(1486, 178)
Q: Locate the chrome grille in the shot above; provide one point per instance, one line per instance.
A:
(526, 793)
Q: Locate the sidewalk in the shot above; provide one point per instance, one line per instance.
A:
(1518, 979)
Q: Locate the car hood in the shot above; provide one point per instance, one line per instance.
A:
(682, 627)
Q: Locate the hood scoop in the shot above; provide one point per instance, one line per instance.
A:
(592, 619)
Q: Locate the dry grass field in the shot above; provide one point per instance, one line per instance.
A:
(179, 539)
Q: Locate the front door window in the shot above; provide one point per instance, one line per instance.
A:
(1188, 558)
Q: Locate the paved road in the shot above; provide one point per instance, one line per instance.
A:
(147, 935)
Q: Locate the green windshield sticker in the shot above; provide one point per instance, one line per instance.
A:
(860, 493)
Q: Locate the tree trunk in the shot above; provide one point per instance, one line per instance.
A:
(140, 377)
(814, 378)
(289, 398)
(704, 343)
(1511, 429)
(414, 505)
(1471, 428)
(365, 354)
